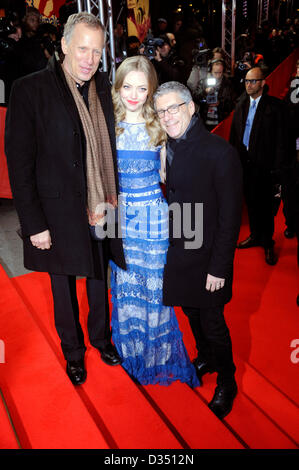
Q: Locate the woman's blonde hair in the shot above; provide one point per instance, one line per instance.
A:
(140, 64)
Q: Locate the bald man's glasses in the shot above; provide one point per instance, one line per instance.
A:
(253, 80)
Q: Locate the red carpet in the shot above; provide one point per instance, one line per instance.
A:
(110, 411)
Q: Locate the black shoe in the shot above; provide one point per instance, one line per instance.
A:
(222, 401)
(248, 243)
(202, 368)
(110, 356)
(76, 372)
(270, 256)
(289, 233)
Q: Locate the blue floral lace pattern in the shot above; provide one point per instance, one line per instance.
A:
(144, 331)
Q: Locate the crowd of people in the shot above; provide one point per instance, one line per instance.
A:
(85, 173)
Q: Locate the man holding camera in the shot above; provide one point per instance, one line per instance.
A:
(215, 95)
(168, 65)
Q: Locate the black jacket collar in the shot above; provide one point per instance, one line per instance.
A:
(193, 131)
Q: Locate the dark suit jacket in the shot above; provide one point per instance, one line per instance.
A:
(268, 139)
(205, 169)
(45, 148)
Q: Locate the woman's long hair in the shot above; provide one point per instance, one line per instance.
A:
(139, 64)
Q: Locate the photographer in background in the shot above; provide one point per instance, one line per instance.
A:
(168, 65)
(201, 58)
(215, 95)
(49, 39)
(10, 34)
(249, 59)
(31, 57)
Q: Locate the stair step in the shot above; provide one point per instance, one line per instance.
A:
(112, 399)
(125, 409)
(248, 419)
(192, 418)
(121, 402)
(41, 396)
(155, 407)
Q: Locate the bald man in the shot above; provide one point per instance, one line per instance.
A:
(258, 132)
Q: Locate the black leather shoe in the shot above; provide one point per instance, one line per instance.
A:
(76, 372)
(248, 243)
(202, 368)
(110, 356)
(270, 256)
(222, 401)
(288, 233)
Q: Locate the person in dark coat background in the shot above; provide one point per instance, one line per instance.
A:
(204, 177)
(218, 100)
(52, 124)
(258, 132)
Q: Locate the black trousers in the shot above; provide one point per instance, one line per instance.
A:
(259, 198)
(213, 341)
(66, 308)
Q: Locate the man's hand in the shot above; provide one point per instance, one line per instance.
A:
(214, 283)
(158, 57)
(41, 240)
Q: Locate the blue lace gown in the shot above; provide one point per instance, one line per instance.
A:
(144, 331)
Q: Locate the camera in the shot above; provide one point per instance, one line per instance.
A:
(242, 65)
(150, 47)
(246, 63)
(47, 43)
(6, 28)
(211, 81)
(211, 97)
(47, 38)
(201, 57)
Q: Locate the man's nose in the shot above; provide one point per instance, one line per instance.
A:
(167, 115)
(90, 57)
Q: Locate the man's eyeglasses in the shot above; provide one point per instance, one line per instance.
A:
(173, 109)
(253, 80)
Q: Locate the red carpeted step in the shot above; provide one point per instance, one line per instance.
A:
(44, 406)
(132, 420)
(260, 429)
(8, 439)
(192, 418)
(109, 395)
(263, 416)
(263, 315)
(258, 426)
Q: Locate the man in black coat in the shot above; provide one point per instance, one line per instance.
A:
(47, 147)
(258, 132)
(167, 63)
(204, 192)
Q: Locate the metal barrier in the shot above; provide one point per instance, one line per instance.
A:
(103, 9)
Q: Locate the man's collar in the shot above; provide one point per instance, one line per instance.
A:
(256, 100)
(82, 87)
